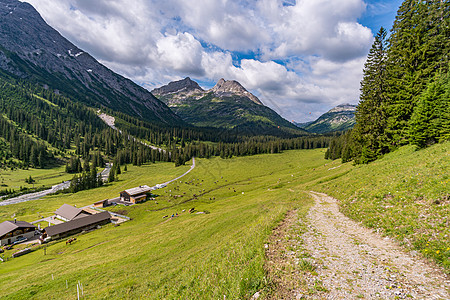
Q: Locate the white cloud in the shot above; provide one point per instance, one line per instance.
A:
(326, 28)
(181, 53)
(306, 54)
(230, 25)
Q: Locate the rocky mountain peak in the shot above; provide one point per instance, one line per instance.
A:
(343, 107)
(339, 118)
(32, 50)
(231, 87)
(186, 85)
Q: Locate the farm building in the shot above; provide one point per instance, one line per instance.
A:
(76, 226)
(136, 195)
(10, 231)
(68, 213)
(101, 203)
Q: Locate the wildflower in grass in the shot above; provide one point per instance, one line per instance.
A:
(437, 252)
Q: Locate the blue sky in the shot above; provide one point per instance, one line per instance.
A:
(300, 57)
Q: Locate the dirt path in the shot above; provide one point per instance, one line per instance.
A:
(329, 256)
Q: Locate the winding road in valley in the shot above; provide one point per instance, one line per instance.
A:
(179, 177)
(64, 185)
(110, 121)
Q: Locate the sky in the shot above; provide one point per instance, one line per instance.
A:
(300, 57)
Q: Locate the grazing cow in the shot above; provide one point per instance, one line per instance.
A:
(69, 241)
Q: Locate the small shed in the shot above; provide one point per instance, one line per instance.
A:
(76, 226)
(101, 203)
(10, 231)
(136, 195)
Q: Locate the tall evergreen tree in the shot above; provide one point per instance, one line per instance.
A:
(430, 117)
(111, 176)
(368, 134)
(418, 47)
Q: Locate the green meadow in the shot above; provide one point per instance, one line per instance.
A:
(405, 195)
(147, 174)
(215, 253)
(218, 251)
(14, 179)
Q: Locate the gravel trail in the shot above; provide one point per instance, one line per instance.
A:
(347, 261)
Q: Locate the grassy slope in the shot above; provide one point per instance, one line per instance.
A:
(147, 174)
(207, 255)
(47, 177)
(406, 195)
(222, 253)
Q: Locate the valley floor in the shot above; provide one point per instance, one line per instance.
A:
(233, 246)
(325, 255)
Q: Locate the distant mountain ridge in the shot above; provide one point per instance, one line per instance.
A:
(186, 85)
(339, 118)
(30, 49)
(227, 105)
(227, 88)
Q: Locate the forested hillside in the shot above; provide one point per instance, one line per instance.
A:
(30, 49)
(227, 105)
(39, 128)
(405, 92)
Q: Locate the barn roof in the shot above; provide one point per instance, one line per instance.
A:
(77, 223)
(138, 190)
(70, 212)
(8, 226)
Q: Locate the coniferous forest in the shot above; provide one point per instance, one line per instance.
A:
(405, 91)
(40, 129)
(404, 99)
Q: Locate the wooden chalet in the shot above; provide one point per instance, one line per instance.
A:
(10, 231)
(136, 195)
(68, 213)
(76, 226)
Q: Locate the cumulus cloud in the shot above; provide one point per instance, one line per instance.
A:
(326, 28)
(294, 54)
(230, 25)
(182, 53)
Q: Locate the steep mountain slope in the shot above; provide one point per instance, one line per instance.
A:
(339, 118)
(227, 105)
(30, 49)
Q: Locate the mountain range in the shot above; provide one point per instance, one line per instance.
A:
(227, 105)
(32, 50)
(339, 118)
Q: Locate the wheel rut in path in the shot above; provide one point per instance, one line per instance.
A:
(345, 260)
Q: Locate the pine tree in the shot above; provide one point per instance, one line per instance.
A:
(429, 118)
(34, 157)
(444, 134)
(86, 166)
(368, 134)
(418, 48)
(111, 176)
